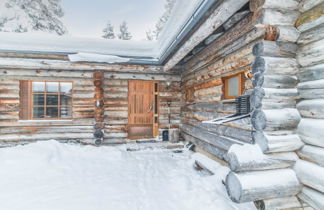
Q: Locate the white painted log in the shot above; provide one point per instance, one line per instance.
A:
(311, 131)
(249, 157)
(308, 4)
(312, 197)
(260, 185)
(275, 49)
(311, 108)
(311, 93)
(287, 34)
(275, 66)
(277, 143)
(311, 54)
(311, 73)
(313, 154)
(278, 17)
(310, 174)
(216, 19)
(274, 4)
(279, 203)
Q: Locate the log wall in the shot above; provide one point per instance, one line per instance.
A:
(310, 56)
(14, 67)
(263, 42)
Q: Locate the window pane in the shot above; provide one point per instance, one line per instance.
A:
(66, 88)
(38, 112)
(38, 100)
(233, 86)
(52, 112)
(38, 87)
(66, 112)
(65, 100)
(52, 87)
(51, 99)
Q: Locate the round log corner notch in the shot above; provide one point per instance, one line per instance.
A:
(99, 107)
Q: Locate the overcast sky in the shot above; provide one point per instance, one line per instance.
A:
(87, 18)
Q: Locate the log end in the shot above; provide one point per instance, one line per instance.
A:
(233, 187)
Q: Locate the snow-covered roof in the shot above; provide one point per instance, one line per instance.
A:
(183, 14)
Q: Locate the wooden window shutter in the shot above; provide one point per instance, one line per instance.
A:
(24, 99)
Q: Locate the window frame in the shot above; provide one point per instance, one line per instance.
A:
(31, 99)
(241, 85)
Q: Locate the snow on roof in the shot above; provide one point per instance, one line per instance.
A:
(144, 50)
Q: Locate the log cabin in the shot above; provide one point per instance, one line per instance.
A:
(270, 51)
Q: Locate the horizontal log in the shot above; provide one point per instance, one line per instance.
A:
(310, 174)
(277, 143)
(311, 108)
(311, 73)
(277, 17)
(287, 34)
(312, 197)
(275, 119)
(313, 154)
(275, 66)
(275, 49)
(311, 54)
(235, 19)
(251, 158)
(217, 152)
(312, 35)
(274, 93)
(279, 203)
(311, 131)
(260, 185)
(308, 4)
(132, 76)
(221, 142)
(273, 4)
(279, 81)
(306, 20)
(45, 136)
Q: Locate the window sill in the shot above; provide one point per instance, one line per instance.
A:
(225, 101)
(22, 121)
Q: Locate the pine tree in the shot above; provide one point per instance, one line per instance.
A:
(109, 31)
(124, 33)
(32, 15)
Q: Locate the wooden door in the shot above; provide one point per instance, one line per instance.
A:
(140, 109)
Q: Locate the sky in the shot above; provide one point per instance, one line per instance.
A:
(87, 18)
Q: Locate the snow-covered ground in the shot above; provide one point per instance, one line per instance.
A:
(54, 176)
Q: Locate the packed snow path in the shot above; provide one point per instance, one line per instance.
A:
(54, 176)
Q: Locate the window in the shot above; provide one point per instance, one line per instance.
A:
(233, 86)
(45, 100)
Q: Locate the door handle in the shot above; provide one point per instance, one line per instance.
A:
(150, 109)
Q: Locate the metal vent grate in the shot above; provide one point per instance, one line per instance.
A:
(242, 104)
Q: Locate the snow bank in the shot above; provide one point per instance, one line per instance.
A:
(49, 175)
(90, 57)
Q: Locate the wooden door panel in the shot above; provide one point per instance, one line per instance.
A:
(140, 108)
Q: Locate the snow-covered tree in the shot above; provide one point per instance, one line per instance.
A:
(124, 33)
(108, 31)
(168, 7)
(31, 15)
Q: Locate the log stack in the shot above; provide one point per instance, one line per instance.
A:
(310, 56)
(259, 174)
(99, 107)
